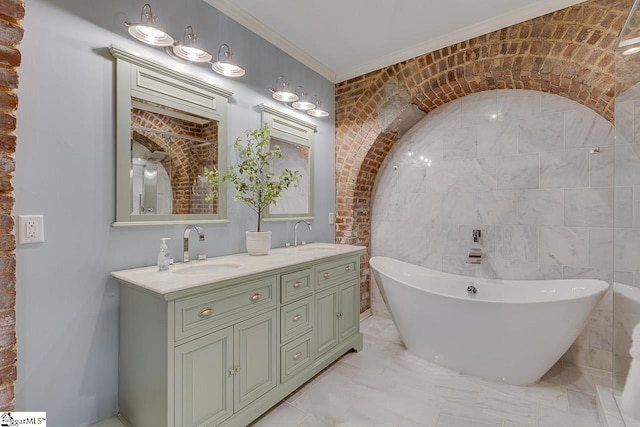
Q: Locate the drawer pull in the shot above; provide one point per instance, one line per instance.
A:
(326, 275)
(297, 285)
(297, 317)
(297, 355)
(205, 312)
(347, 268)
(255, 297)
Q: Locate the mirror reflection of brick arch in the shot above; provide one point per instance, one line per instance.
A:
(169, 125)
(190, 143)
(568, 53)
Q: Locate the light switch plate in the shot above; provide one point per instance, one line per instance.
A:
(30, 229)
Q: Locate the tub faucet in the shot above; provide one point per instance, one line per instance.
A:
(187, 232)
(475, 256)
(295, 231)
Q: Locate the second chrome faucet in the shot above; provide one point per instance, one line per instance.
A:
(295, 231)
(187, 232)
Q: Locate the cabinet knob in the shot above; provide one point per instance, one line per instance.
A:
(205, 312)
(232, 372)
(255, 297)
(297, 285)
(339, 315)
(237, 369)
(297, 355)
(347, 268)
(297, 317)
(326, 275)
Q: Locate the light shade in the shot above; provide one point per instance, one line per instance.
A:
(317, 111)
(189, 50)
(281, 91)
(303, 102)
(224, 65)
(147, 31)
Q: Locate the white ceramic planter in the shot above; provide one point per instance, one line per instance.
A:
(258, 242)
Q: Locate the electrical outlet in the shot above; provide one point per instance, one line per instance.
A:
(30, 229)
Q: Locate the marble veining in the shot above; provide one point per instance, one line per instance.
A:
(384, 385)
(167, 282)
(544, 203)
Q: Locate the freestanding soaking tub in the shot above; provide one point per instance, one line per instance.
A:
(511, 331)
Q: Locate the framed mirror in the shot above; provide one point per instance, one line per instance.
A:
(295, 139)
(169, 127)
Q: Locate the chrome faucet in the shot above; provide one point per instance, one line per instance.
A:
(295, 231)
(475, 256)
(475, 253)
(187, 232)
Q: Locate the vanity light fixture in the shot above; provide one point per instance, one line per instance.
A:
(302, 103)
(224, 64)
(189, 50)
(281, 91)
(147, 31)
(317, 111)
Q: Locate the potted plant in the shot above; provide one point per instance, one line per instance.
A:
(254, 183)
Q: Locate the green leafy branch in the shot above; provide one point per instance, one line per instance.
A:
(254, 183)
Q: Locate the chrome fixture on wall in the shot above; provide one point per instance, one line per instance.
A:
(298, 99)
(303, 102)
(147, 30)
(281, 91)
(225, 65)
(317, 111)
(187, 51)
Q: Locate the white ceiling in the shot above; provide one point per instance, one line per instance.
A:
(341, 39)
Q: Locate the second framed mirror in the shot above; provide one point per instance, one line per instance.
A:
(295, 138)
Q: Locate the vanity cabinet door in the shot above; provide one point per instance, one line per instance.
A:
(349, 314)
(256, 347)
(204, 375)
(327, 320)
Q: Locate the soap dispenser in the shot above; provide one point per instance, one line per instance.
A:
(163, 255)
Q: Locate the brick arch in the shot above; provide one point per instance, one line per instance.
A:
(567, 53)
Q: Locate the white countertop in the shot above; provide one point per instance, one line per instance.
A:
(218, 269)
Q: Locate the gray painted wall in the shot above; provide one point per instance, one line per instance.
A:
(67, 304)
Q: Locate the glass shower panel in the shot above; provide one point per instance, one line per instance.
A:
(626, 301)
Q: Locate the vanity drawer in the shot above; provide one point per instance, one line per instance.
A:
(296, 319)
(295, 357)
(296, 285)
(335, 272)
(199, 313)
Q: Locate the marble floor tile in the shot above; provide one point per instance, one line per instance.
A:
(384, 385)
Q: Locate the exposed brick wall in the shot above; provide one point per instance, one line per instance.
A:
(567, 53)
(11, 32)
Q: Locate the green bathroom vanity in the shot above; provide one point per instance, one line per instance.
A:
(221, 341)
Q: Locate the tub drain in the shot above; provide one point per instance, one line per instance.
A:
(471, 289)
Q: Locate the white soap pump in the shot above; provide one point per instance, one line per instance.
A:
(163, 255)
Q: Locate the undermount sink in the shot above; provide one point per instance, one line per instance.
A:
(206, 268)
(316, 248)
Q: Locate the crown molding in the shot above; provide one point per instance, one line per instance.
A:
(249, 21)
(522, 14)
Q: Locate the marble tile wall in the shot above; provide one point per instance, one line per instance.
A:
(627, 229)
(517, 165)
